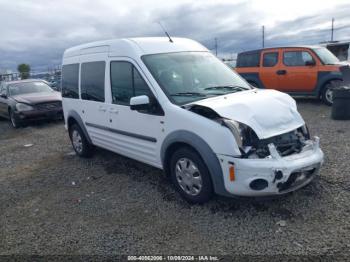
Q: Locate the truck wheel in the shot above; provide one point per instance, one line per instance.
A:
(190, 176)
(79, 142)
(14, 121)
(327, 94)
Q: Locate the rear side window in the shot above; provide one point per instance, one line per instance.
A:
(248, 59)
(92, 83)
(70, 81)
(126, 82)
(296, 58)
(270, 59)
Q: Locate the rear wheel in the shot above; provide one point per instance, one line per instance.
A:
(14, 121)
(190, 176)
(80, 144)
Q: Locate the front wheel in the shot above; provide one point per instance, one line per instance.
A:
(327, 94)
(190, 176)
(80, 144)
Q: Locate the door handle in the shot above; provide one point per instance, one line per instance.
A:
(281, 72)
(102, 109)
(114, 111)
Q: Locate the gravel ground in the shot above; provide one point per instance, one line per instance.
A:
(53, 202)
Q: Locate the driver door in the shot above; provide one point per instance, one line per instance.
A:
(295, 75)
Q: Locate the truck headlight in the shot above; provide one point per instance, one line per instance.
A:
(23, 107)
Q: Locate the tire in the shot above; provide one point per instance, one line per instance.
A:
(190, 176)
(80, 144)
(14, 121)
(327, 94)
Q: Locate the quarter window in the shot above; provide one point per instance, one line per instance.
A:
(93, 81)
(296, 58)
(126, 82)
(70, 81)
(270, 59)
(248, 59)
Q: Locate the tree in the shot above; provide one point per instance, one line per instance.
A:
(24, 70)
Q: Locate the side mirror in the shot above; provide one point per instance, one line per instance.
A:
(3, 96)
(139, 103)
(310, 63)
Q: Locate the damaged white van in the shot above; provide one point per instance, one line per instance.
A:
(171, 104)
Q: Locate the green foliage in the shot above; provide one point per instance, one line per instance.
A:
(24, 70)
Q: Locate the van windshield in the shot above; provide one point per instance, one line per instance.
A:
(326, 56)
(191, 76)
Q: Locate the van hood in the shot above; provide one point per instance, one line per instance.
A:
(268, 112)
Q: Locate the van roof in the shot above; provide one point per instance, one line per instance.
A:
(280, 47)
(135, 46)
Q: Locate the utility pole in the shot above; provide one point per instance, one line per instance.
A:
(216, 46)
(263, 36)
(332, 31)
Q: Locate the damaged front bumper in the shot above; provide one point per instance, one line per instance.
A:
(272, 175)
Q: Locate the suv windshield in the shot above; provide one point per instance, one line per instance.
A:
(190, 76)
(326, 56)
(28, 87)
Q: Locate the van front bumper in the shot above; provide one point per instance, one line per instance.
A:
(273, 175)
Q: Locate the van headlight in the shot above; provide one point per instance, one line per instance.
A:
(23, 107)
(237, 130)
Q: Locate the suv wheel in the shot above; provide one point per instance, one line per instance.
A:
(190, 176)
(79, 142)
(14, 122)
(327, 94)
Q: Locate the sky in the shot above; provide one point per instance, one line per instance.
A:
(38, 31)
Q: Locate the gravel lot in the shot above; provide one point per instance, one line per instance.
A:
(53, 202)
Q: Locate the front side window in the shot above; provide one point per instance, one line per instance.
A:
(191, 76)
(126, 82)
(270, 59)
(93, 81)
(70, 81)
(296, 58)
(28, 88)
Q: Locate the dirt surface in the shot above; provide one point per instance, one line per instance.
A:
(53, 202)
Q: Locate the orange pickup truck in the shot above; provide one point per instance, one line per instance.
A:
(299, 71)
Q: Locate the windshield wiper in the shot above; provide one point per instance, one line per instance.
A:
(231, 87)
(188, 94)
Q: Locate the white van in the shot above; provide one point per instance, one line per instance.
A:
(175, 106)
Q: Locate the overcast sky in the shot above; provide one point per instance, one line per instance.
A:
(38, 31)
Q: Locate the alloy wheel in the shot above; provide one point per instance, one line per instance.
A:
(329, 95)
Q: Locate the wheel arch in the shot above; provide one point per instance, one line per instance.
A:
(183, 138)
(74, 118)
(326, 77)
